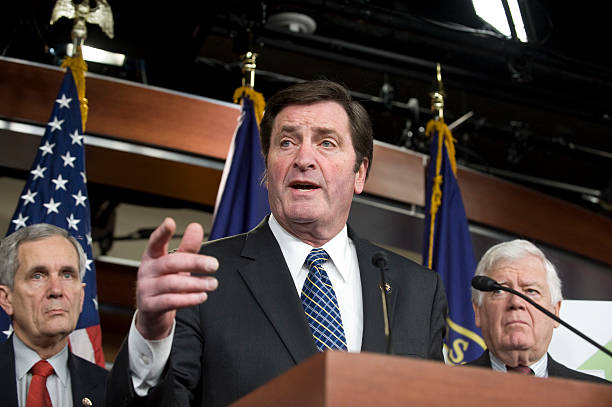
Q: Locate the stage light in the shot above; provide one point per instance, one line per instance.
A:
(99, 55)
(494, 13)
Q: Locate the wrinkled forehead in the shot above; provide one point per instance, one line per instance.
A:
(47, 250)
(525, 269)
(324, 115)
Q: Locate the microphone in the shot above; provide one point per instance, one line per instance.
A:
(484, 283)
(379, 259)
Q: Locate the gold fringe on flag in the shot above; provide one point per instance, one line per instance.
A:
(444, 136)
(78, 66)
(259, 104)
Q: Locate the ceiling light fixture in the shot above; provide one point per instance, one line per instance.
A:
(93, 54)
(294, 22)
(500, 16)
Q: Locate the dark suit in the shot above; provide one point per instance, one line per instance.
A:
(87, 379)
(555, 369)
(253, 328)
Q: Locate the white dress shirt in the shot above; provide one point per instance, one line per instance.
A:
(540, 368)
(59, 384)
(343, 271)
(148, 358)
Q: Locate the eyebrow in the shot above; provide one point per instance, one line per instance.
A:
(288, 129)
(41, 267)
(318, 130)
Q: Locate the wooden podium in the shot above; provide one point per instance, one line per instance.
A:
(367, 379)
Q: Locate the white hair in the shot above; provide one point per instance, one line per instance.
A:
(516, 250)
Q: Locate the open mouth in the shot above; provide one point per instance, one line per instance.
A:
(303, 186)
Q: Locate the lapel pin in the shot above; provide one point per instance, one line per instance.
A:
(387, 288)
(86, 402)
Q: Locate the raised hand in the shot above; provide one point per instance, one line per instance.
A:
(165, 281)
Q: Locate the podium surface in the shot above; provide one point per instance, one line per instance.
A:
(367, 379)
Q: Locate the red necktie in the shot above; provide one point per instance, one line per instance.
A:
(520, 369)
(38, 396)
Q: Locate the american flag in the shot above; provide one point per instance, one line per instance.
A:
(56, 193)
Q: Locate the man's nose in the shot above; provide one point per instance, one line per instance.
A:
(305, 156)
(54, 287)
(516, 302)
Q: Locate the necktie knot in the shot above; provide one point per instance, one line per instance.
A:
(42, 368)
(316, 258)
(520, 369)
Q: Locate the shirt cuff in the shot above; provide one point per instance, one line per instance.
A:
(147, 358)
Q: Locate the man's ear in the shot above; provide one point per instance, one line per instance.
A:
(6, 302)
(82, 296)
(360, 176)
(476, 315)
(556, 312)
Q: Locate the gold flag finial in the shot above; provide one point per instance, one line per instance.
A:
(437, 95)
(101, 14)
(248, 69)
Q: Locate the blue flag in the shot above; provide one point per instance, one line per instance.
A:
(56, 193)
(448, 246)
(242, 201)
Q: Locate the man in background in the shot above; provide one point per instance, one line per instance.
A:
(41, 290)
(517, 335)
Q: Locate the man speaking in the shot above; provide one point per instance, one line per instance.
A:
(298, 283)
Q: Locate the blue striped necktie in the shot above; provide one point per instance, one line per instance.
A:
(320, 304)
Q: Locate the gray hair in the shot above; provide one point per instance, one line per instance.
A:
(9, 247)
(516, 250)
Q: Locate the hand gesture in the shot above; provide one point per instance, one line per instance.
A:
(165, 281)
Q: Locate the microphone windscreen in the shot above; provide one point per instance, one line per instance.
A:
(484, 283)
(379, 259)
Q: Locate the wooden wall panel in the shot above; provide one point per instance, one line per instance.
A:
(397, 175)
(145, 115)
(534, 215)
(123, 110)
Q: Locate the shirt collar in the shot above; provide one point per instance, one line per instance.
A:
(295, 251)
(25, 358)
(540, 367)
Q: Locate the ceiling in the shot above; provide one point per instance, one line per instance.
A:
(541, 112)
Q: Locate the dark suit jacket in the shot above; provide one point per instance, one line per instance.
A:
(253, 328)
(555, 369)
(88, 379)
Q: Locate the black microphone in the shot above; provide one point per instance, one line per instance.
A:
(379, 259)
(484, 283)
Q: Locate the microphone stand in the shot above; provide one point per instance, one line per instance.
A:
(380, 261)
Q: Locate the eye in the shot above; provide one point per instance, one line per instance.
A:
(286, 142)
(532, 291)
(328, 143)
(37, 275)
(67, 274)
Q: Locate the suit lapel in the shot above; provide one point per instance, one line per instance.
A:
(8, 384)
(85, 384)
(373, 323)
(269, 279)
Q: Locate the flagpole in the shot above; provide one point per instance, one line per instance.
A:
(437, 95)
(249, 65)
